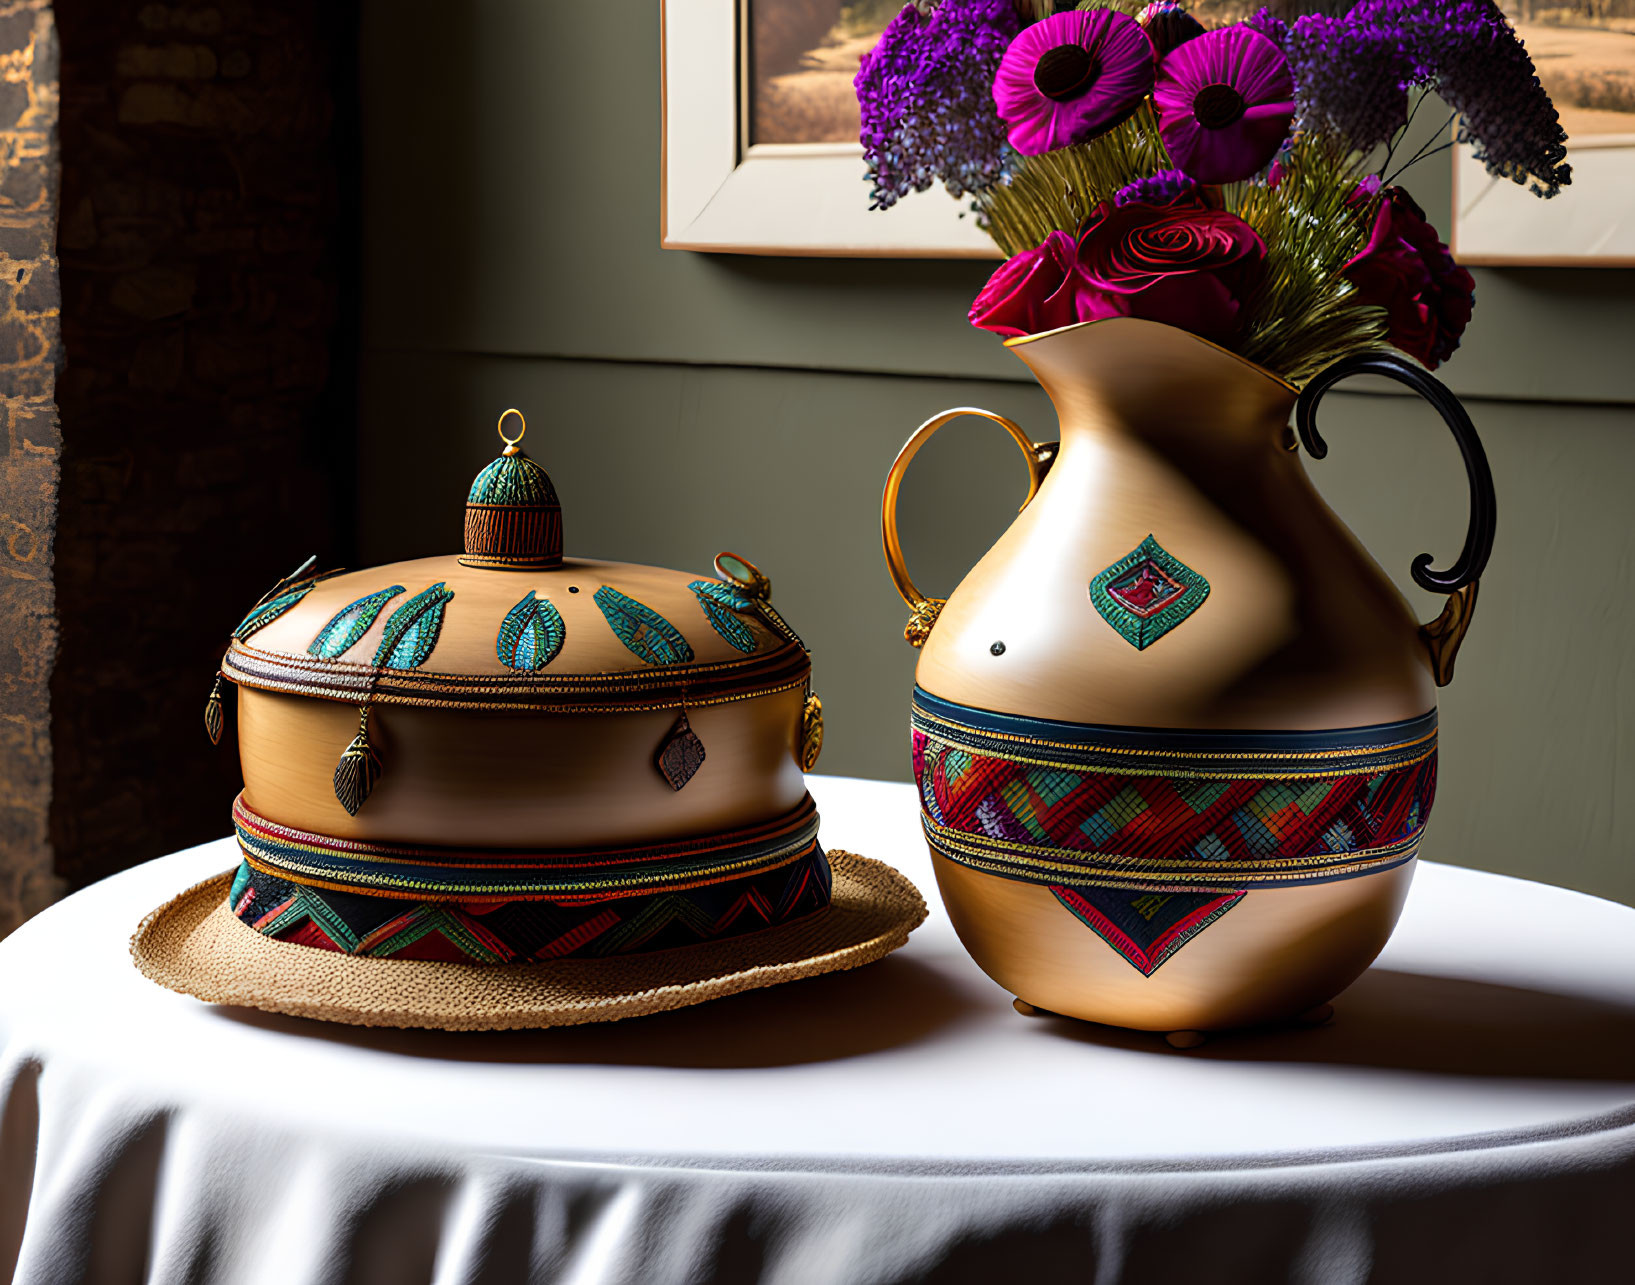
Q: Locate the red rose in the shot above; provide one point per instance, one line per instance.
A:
(1031, 292)
(1183, 264)
(1406, 270)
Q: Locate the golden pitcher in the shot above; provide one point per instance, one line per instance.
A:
(1175, 733)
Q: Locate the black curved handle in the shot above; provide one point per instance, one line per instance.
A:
(1483, 504)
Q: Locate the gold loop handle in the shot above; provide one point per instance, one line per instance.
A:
(511, 446)
(1038, 458)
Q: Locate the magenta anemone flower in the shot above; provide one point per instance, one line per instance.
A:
(1225, 100)
(1072, 77)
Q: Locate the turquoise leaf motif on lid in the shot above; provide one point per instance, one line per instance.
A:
(411, 631)
(350, 623)
(530, 635)
(1146, 593)
(265, 613)
(719, 601)
(641, 629)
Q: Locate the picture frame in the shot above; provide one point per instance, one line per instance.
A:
(1591, 224)
(719, 192)
(1586, 62)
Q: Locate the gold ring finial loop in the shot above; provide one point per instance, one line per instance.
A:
(511, 442)
(745, 574)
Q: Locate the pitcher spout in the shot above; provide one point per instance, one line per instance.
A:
(1164, 383)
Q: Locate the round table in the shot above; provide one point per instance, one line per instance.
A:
(1468, 1115)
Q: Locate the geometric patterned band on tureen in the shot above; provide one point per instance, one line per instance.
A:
(494, 907)
(507, 874)
(1149, 836)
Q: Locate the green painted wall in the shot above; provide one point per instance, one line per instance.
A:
(689, 403)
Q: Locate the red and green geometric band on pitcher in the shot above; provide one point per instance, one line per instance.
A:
(1148, 836)
(497, 906)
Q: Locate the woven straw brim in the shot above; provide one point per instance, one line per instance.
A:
(196, 945)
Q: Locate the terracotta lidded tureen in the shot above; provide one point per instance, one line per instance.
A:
(506, 762)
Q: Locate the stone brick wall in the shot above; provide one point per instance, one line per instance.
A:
(202, 217)
(206, 403)
(30, 353)
(205, 233)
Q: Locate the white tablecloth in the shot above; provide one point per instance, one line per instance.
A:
(1468, 1116)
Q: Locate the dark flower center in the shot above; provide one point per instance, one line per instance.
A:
(1065, 72)
(1218, 106)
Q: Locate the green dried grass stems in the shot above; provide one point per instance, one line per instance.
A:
(1054, 192)
(1305, 316)
(1042, 9)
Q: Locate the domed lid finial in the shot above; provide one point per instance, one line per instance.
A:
(513, 518)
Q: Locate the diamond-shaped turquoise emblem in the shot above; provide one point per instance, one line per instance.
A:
(1146, 593)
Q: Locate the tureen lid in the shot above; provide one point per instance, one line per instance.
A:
(510, 622)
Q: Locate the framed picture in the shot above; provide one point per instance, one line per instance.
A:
(1585, 56)
(760, 152)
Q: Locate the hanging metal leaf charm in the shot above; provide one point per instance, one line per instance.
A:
(641, 629)
(719, 602)
(681, 754)
(213, 712)
(811, 732)
(358, 770)
(411, 631)
(530, 635)
(264, 613)
(350, 623)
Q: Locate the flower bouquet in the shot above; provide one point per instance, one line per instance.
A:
(1236, 182)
